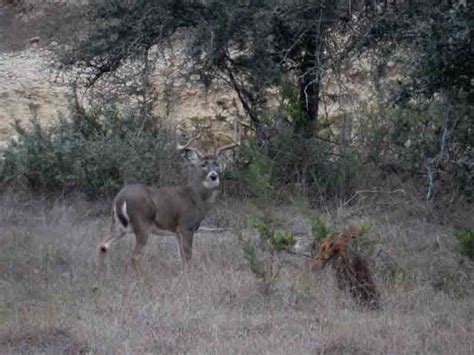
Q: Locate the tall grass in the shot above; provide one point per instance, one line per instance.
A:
(47, 260)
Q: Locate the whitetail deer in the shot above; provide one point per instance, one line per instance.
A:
(144, 210)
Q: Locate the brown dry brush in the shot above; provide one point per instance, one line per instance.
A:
(353, 274)
(352, 270)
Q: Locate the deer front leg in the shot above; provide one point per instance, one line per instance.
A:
(185, 239)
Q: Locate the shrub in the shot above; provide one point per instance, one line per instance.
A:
(428, 142)
(466, 242)
(288, 162)
(261, 253)
(94, 152)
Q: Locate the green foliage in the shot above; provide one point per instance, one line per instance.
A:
(444, 45)
(429, 131)
(413, 137)
(119, 30)
(260, 252)
(465, 173)
(270, 237)
(249, 44)
(282, 240)
(462, 147)
(424, 131)
(466, 242)
(93, 152)
(319, 229)
(290, 162)
(251, 255)
(258, 175)
(423, 136)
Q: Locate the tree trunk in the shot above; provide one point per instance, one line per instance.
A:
(309, 86)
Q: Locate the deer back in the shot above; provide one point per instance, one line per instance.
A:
(170, 208)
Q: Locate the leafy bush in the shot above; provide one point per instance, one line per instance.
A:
(319, 229)
(261, 252)
(290, 162)
(418, 142)
(258, 175)
(466, 242)
(270, 236)
(94, 152)
(427, 131)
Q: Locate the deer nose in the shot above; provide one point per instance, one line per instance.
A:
(213, 176)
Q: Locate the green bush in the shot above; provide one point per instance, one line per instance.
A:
(258, 175)
(289, 162)
(466, 242)
(93, 152)
(425, 141)
(261, 252)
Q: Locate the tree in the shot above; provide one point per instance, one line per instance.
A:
(257, 45)
(251, 45)
(437, 35)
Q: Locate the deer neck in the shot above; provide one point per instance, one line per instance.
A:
(203, 193)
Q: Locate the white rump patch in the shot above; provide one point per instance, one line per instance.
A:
(124, 211)
(129, 228)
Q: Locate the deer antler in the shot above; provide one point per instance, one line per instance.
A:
(187, 145)
(235, 141)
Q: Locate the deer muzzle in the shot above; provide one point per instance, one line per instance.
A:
(212, 180)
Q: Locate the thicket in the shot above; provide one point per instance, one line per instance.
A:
(422, 131)
(93, 151)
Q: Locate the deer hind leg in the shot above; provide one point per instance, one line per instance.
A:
(185, 240)
(107, 243)
(142, 233)
(116, 233)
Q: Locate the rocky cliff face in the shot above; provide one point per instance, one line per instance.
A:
(27, 85)
(31, 82)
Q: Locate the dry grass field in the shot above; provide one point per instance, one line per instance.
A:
(47, 261)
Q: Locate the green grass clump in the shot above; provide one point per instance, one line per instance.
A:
(466, 242)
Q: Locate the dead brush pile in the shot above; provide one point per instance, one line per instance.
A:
(352, 270)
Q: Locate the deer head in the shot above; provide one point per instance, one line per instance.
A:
(206, 166)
